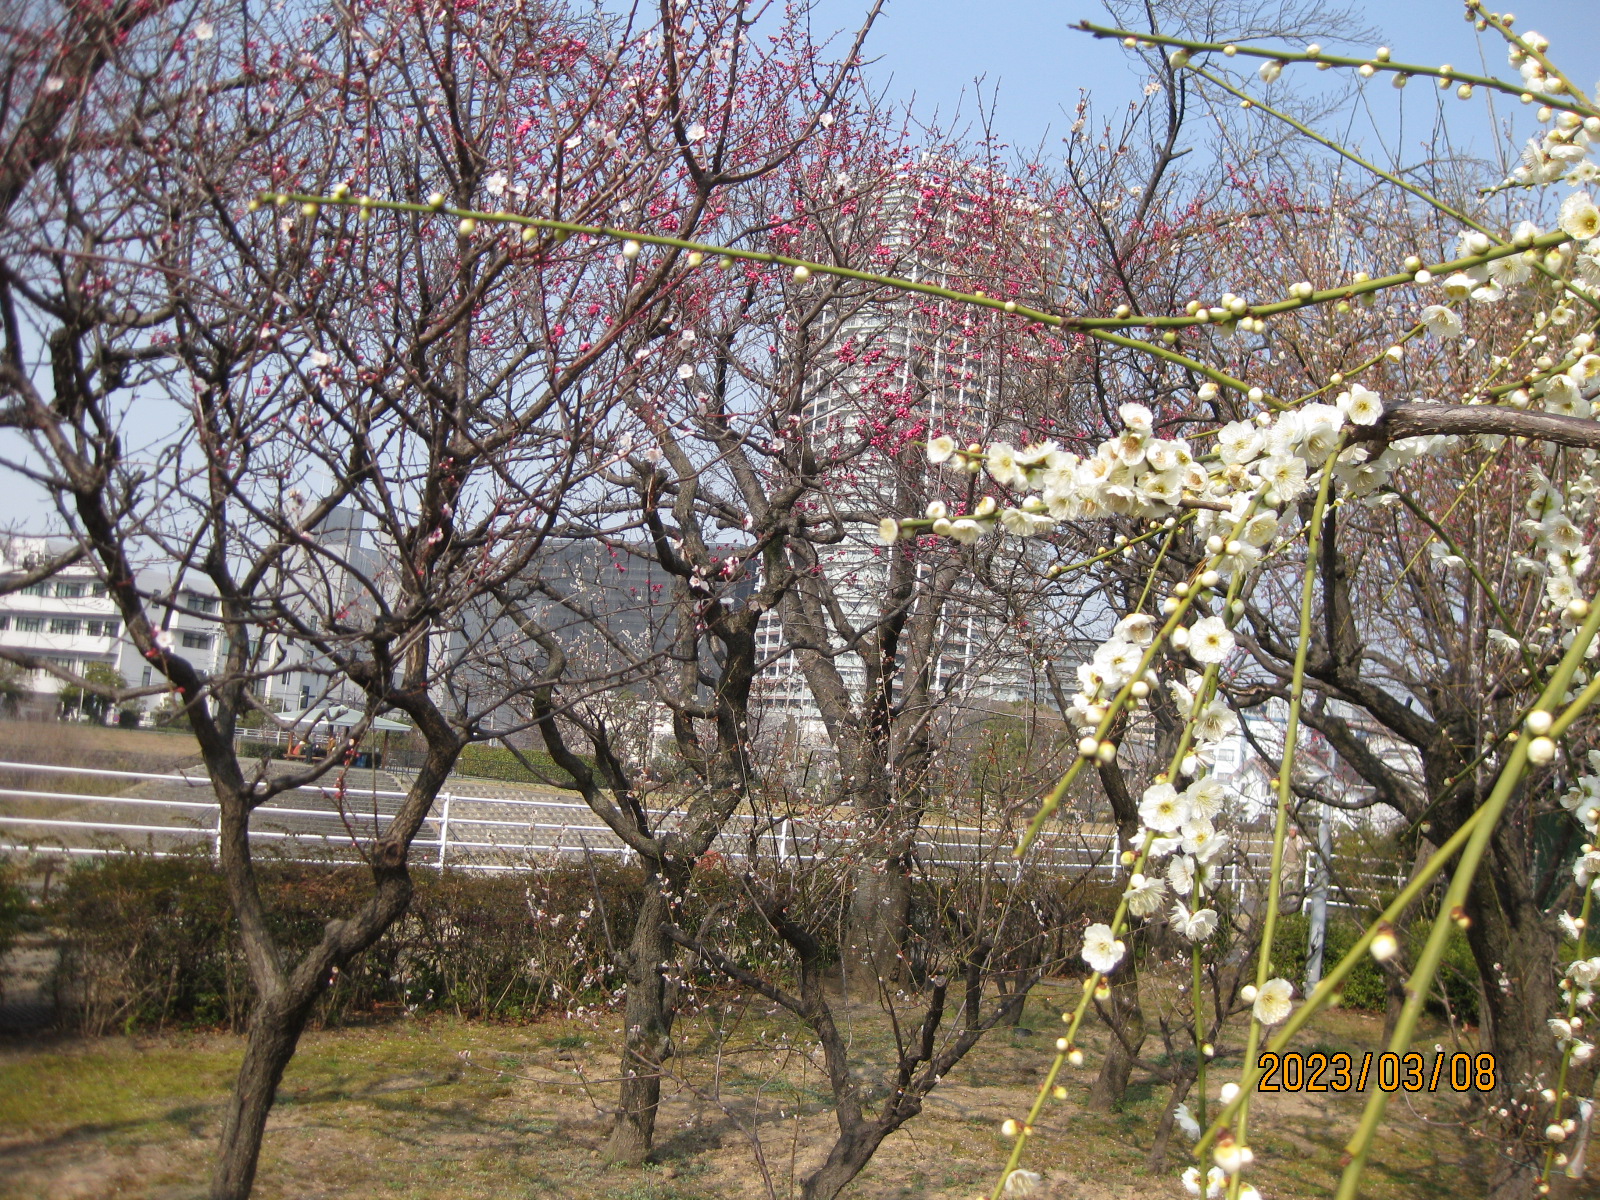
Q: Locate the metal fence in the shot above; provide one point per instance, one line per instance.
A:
(477, 826)
(471, 826)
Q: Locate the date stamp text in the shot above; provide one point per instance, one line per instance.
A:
(1411, 1072)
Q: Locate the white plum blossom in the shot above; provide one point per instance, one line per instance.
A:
(1579, 218)
(1138, 629)
(1442, 322)
(1163, 809)
(1364, 406)
(1137, 418)
(1285, 477)
(1022, 1183)
(1180, 874)
(1239, 442)
(1207, 795)
(1274, 1002)
(1210, 640)
(1193, 926)
(1145, 894)
(940, 449)
(1260, 529)
(1101, 949)
(1201, 839)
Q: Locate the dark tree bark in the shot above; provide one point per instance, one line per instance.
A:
(647, 1029)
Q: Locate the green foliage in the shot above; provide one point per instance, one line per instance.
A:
(13, 911)
(13, 689)
(1008, 748)
(1365, 988)
(497, 762)
(91, 703)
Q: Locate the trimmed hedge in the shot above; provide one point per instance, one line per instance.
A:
(150, 942)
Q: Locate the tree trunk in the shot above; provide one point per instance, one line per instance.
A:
(849, 1156)
(1157, 1161)
(273, 1033)
(880, 902)
(1511, 942)
(1127, 1018)
(647, 1022)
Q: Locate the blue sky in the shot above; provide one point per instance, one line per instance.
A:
(933, 50)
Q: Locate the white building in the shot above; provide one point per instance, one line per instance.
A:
(70, 621)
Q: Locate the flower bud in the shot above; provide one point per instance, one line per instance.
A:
(1384, 944)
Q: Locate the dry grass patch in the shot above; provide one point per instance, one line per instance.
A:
(423, 1109)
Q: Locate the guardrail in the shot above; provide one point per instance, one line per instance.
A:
(463, 831)
(498, 833)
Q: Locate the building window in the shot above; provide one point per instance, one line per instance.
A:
(69, 625)
(205, 604)
(98, 589)
(196, 641)
(30, 624)
(36, 589)
(69, 591)
(145, 681)
(5, 620)
(104, 628)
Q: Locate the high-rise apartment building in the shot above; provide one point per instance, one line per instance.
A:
(912, 361)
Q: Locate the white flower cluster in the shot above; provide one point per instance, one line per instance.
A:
(1563, 150)
(1565, 556)
(1137, 474)
(1566, 1030)
(1583, 802)
(1584, 974)
(1216, 1184)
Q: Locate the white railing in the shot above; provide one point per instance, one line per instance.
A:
(462, 831)
(501, 833)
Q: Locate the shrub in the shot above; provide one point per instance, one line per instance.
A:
(150, 942)
(1365, 988)
(497, 762)
(145, 941)
(13, 911)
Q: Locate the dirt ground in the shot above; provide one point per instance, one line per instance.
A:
(438, 1107)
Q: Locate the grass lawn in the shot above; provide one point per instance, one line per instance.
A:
(443, 1108)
